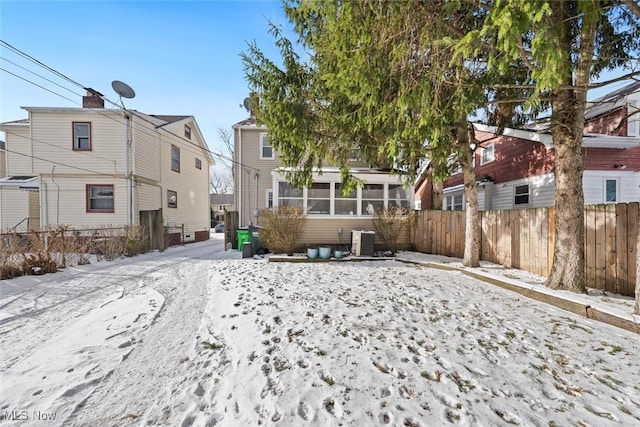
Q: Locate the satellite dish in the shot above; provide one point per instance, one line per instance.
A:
(247, 104)
(123, 89)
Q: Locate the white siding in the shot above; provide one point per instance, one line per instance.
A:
(541, 192)
(148, 197)
(147, 150)
(191, 184)
(53, 142)
(19, 152)
(253, 175)
(14, 208)
(66, 202)
(594, 182)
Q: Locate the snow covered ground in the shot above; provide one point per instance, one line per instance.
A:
(199, 336)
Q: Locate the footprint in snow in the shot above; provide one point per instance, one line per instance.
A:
(386, 417)
(332, 407)
(305, 411)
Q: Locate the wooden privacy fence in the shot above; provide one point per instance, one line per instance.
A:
(524, 239)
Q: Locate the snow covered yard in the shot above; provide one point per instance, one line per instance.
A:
(199, 336)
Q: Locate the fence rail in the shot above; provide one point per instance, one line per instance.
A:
(525, 238)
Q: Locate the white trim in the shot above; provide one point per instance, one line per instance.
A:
(529, 195)
(604, 189)
(545, 139)
(264, 142)
(486, 149)
(266, 198)
(589, 140)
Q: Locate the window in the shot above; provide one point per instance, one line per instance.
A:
(289, 195)
(266, 151)
(372, 198)
(487, 154)
(319, 198)
(521, 195)
(198, 164)
(269, 198)
(187, 131)
(346, 204)
(172, 199)
(453, 202)
(81, 136)
(611, 190)
(100, 198)
(175, 158)
(397, 197)
(453, 165)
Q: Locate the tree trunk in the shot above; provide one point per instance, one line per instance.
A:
(637, 308)
(567, 126)
(472, 217)
(436, 196)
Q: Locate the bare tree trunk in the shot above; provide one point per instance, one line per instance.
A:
(567, 126)
(637, 305)
(436, 195)
(472, 217)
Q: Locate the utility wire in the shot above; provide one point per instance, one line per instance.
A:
(57, 73)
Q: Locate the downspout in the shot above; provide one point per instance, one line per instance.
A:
(239, 189)
(128, 175)
(58, 197)
(44, 208)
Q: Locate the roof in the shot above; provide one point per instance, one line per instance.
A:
(169, 118)
(611, 101)
(221, 199)
(248, 122)
(24, 182)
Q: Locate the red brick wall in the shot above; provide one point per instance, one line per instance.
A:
(609, 123)
(607, 158)
(514, 158)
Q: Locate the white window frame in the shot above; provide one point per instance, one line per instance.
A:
(172, 204)
(308, 198)
(617, 183)
(449, 201)
(79, 139)
(516, 194)
(264, 143)
(175, 158)
(335, 196)
(268, 198)
(91, 196)
(487, 154)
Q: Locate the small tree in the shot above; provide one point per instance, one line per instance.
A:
(281, 227)
(391, 226)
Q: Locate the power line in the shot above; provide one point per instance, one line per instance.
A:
(57, 73)
(36, 74)
(36, 84)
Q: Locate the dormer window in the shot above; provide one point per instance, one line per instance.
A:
(187, 131)
(487, 154)
(81, 136)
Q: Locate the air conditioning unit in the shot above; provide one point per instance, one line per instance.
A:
(362, 242)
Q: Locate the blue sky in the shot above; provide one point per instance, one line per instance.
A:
(180, 57)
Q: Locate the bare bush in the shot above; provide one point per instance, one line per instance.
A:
(391, 225)
(62, 246)
(281, 228)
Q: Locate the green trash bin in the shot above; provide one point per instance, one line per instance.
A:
(242, 236)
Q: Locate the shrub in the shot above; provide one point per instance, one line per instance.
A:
(281, 227)
(391, 225)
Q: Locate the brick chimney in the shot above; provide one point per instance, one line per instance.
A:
(93, 99)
